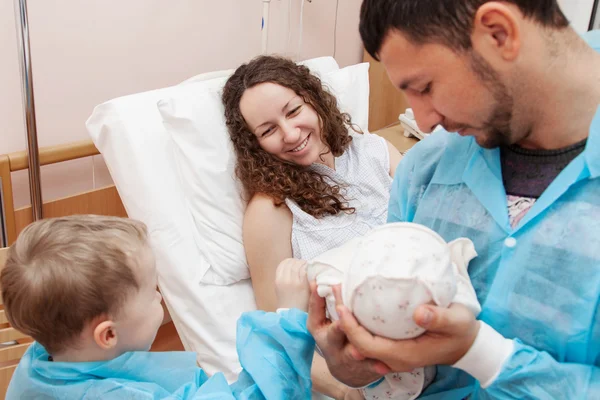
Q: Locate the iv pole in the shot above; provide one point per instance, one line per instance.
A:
(265, 26)
(35, 189)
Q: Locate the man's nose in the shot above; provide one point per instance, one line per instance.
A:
(426, 116)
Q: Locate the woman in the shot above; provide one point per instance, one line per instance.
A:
(313, 181)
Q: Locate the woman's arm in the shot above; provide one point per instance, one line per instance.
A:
(395, 157)
(267, 234)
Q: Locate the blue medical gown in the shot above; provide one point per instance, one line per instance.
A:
(540, 288)
(275, 352)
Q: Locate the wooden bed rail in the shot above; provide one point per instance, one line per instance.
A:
(105, 201)
(54, 154)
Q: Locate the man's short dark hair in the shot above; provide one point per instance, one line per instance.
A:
(448, 22)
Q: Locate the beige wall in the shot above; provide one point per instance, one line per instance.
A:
(579, 12)
(86, 52)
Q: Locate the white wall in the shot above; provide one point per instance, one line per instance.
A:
(87, 52)
(578, 12)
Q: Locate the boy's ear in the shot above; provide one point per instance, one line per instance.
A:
(105, 334)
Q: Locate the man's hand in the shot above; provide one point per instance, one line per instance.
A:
(336, 349)
(450, 334)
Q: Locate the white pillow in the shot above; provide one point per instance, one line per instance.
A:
(194, 119)
(318, 66)
(140, 156)
(207, 76)
(351, 87)
(321, 65)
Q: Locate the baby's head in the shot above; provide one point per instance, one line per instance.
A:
(84, 287)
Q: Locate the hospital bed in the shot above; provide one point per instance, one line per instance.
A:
(173, 168)
(169, 154)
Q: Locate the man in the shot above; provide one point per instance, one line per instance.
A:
(521, 179)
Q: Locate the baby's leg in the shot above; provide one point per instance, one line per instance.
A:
(401, 385)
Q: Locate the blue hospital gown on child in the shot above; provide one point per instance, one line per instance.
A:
(275, 351)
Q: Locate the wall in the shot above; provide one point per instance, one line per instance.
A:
(87, 52)
(578, 12)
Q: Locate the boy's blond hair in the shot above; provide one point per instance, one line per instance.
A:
(61, 273)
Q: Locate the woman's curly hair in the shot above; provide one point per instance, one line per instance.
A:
(261, 172)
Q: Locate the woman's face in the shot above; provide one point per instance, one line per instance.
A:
(283, 123)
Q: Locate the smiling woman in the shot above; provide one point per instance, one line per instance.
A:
(313, 181)
(272, 105)
(290, 132)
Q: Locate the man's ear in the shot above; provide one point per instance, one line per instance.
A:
(105, 334)
(497, 31)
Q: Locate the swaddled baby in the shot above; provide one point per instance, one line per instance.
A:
(384, 276)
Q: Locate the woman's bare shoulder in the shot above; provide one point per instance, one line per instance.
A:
(262, 213)
(263, 205)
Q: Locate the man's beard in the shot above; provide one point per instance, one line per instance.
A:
(496, 130)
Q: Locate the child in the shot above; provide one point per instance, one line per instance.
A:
(384, 276)
(84, 287)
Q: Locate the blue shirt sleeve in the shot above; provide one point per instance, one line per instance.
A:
(533, 374)
(395, 205)
(276, 352)
(398, 205)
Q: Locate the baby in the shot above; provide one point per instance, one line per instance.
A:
(384, 276)
(85, 288)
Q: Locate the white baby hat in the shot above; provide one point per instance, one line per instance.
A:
(389, 272)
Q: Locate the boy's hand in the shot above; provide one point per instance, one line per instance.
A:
(354, 394)
(291, 284)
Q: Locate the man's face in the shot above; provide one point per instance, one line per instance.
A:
(459, 91)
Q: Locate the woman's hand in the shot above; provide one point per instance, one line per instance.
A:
(291, 285)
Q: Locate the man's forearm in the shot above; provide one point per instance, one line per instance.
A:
(323, 381)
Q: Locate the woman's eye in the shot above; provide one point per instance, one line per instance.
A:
(294, 111)
(267, 132)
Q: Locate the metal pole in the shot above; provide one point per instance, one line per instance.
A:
(265, 26)
(35, 188)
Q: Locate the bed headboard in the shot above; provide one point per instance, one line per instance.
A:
(386, 102)
(103, 201)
